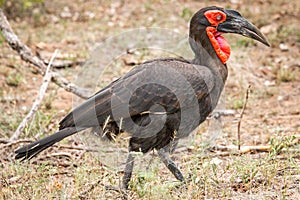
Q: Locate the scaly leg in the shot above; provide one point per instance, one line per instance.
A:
(127, 171)
(164, 156)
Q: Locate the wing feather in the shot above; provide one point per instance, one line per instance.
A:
(168, 83)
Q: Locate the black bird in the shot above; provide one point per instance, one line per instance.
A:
(163, 100)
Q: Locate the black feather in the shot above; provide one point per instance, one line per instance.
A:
(29, 151)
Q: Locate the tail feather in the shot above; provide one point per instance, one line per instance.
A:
(31, 150)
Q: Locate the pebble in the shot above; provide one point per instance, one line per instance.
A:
(283, 47)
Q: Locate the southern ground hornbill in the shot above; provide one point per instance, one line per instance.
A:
(163, 100)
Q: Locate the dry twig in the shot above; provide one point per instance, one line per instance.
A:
(59, 154)
(233, 150)
(61, 63)
(241, 116)
(37, 102)
(8, 143)
(27, 55)
(91, 149)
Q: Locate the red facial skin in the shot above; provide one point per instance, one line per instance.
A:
(220, 45)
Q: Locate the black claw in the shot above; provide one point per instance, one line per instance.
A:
(164, 156)
(177, 173)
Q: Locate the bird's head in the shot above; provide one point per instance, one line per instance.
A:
(209, 23)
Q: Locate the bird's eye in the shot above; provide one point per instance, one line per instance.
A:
(219, 17)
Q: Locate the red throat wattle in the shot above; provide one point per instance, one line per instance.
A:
(219, 44)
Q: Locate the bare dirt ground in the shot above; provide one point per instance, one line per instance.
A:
(69, 170)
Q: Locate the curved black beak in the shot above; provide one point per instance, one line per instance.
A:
(235, 23)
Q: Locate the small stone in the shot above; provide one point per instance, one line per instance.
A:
(283, 47)
(66, 13)
(24, 108)
(283, 98)
(110, 24)
(130, 60)
(276, 17)
(90, 15)
(268, 28)
(269, 83)
(190, 148)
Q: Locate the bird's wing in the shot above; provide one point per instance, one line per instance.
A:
(171, 84)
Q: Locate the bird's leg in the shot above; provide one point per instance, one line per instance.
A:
(164, 156)
(127, 171)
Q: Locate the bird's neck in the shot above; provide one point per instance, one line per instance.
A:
(205, 54)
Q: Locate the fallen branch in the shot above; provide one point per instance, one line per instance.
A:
(92, 149)
(245, 149)
(61, 63)
(64, 64)
(8, 143)
(219, 113)
(79, 148)
(27, 55)
(59, 154)
(233, 149)
(37, 102)
(241, 116)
